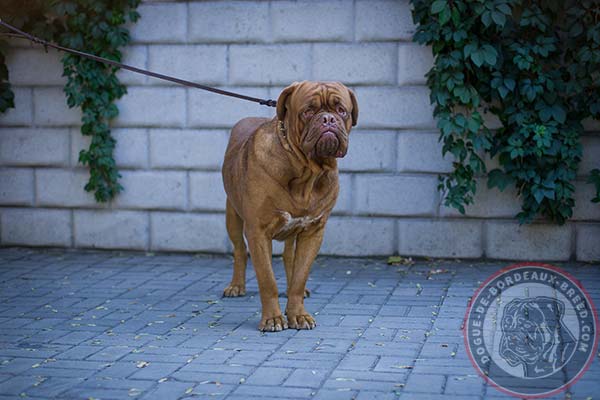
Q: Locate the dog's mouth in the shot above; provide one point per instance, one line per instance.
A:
(328, 145)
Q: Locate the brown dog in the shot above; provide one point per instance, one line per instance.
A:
(281, 180)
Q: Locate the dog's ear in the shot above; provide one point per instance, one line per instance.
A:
(354, 107)
(282, 100)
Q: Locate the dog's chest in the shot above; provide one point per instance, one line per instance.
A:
(294, 225)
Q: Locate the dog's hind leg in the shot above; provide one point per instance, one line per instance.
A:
(289, 250)
(235, 229)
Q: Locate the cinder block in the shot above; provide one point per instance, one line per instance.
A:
(131, 150)
(228, 21)
(390, 107)
(50, 108)
(160, 23)
(36, 227)
(16, 186)
(414, 61)
(268, 64)
(153, 190)
(196, 63)
(584, 208)
(591, 154)
(358, 63)
(24, 146)
(395, 194)
(369, 151)
(22, 114)
(202, 149)
(344, 200)
(135, 56)
(189, 232)
(421, 152)
(63, 188)
(590, 125)
(358, 236)
(384, 20)
(299, 21)
(588, 237)
(206, 191)
(111, 229)
(440, 238)
(488, 203)
(509, 240)
(208, 110)
(155, 106)
(34, 66)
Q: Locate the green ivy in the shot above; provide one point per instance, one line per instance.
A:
(95, 27)
(533, 64)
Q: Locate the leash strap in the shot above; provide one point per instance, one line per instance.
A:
(35, 39)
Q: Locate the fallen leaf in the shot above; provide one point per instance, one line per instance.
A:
(399, 260)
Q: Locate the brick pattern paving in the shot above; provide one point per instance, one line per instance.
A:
(108, 325)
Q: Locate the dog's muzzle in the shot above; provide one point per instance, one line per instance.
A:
(328, 145)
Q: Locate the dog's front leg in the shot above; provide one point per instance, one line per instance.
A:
(261, 252)
(307, 247)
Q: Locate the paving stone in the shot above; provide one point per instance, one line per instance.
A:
(426, 383)
(155, 370)
(268, 376)
(306, 378)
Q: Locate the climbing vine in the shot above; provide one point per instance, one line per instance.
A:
(96, 27)
(533, 64)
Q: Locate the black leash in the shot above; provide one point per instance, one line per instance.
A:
(35, 39)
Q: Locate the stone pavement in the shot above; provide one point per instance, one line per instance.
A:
(108, 325)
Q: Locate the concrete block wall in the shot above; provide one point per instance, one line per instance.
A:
(171, 139)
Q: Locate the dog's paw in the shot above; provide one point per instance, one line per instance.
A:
(234, 290)
(276, 324)
(301, 321)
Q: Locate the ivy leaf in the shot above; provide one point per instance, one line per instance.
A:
(478, 57)
(438, 5)
(497, 178)
(490, 54)
(538, 195)
(594, 179)
(559, 114)
(499, 18)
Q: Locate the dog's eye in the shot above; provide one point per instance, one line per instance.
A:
(308, 113)
(342, 111)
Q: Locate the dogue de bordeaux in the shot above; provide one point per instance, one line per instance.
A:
(281, 180)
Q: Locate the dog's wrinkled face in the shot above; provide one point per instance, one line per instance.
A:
(318, 117)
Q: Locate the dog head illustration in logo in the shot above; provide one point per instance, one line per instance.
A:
(534, 335)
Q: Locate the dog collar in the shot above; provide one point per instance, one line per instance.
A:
(283, 135)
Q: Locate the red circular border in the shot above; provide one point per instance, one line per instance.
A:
(596, 336)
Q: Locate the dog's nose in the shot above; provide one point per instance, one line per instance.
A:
(328, 120)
